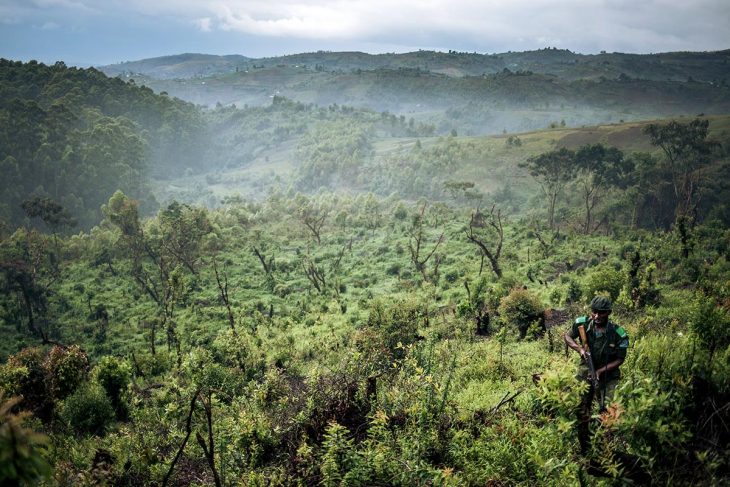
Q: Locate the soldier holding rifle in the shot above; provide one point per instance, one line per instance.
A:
(602, 348)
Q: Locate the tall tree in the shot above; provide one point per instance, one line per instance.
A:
(597, 169)
(553, 170)
(686, 153)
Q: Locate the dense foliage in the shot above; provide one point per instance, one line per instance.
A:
(239, 346)
(75, 136)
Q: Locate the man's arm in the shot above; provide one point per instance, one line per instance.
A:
(609, 366)
(570, 341)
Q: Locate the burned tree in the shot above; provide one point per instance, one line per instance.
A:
(487, 233)
(416, 244)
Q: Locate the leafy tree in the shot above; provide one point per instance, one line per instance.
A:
(687, 152)
(553, 170)
(52, 214)
(183, 228)
(599, 168)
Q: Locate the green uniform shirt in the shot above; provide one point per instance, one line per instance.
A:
(606, 346)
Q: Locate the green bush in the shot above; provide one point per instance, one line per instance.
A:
(521, 308)
(573, 292)
(88, 410)
(711, 323)
(604, 279)
(397, 322)
(113, 375)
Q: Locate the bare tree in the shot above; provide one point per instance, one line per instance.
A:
(312, 214)
(223, 293)
(207, 446)
(267, 263)
(416, 244)
(487, 233)
(315, 274)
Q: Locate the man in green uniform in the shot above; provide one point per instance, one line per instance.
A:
(607, 344)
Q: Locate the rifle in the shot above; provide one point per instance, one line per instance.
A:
(592, 376)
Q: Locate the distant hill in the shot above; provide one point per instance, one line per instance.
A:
(178, 66)
(675, 66)
(484, 104)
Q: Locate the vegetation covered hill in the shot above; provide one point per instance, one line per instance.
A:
(364, 299)
(512, 92)
(75, 136)
(672, 66)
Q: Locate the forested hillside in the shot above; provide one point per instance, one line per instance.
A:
(297, 293)
(671, 66)
(75, 136)
(510, 101)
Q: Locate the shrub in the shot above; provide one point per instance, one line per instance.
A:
(711, 323)
(88, 410)
(43, 379)
(604, 279)
(113, 375)
(521, 308)
(397, 322)
(573, 292)
(66, 368)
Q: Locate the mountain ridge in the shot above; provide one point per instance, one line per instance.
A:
(707, 66)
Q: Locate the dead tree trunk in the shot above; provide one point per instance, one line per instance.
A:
(415, 245)
(494, 231)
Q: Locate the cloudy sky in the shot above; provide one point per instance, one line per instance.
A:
(95, 32)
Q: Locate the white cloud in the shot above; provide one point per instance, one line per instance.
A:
(485, 25)
(204, 24)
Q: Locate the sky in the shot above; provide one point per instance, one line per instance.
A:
(98, 32)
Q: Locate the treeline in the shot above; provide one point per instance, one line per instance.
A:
(75, 136)
(683, 182)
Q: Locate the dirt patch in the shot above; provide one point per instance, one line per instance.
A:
(631, 138)
(577, 139)
(556, 317)
(627, 138)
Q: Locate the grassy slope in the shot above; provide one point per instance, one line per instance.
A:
(493, 165)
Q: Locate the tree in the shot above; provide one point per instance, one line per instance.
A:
(416, 243)
(183, 228)
(160, 256)
(599, 167)
(28, 270)
(487, 233)
(52, 214)
(553, 170)
(312, 214)
(687, 153)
